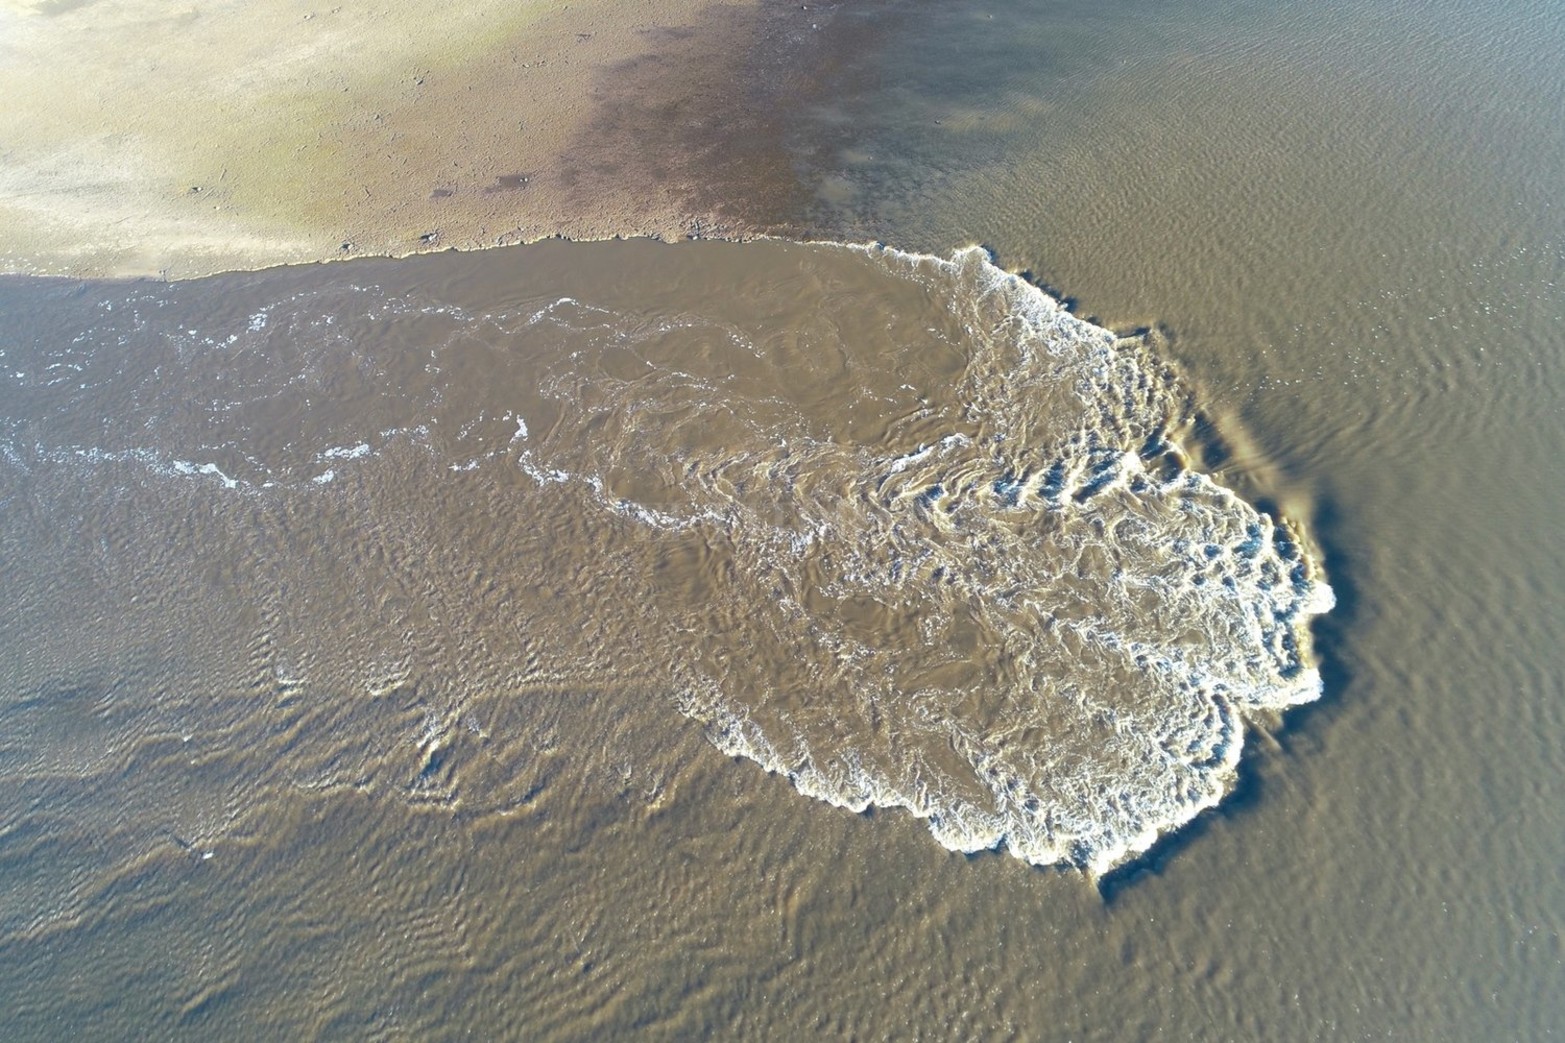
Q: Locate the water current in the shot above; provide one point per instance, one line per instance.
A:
(934, 546)
(393, 649)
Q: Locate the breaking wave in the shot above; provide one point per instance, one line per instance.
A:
(993, 595)
(899, 528)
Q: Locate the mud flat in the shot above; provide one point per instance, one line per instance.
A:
(143, 137)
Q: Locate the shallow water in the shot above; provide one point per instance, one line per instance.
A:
(417, 739)
(904, 530)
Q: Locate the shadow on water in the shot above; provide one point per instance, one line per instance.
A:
(1159, 336)
(1246, 795)
(1027, 275)
(1211, 447)
(1330, 633)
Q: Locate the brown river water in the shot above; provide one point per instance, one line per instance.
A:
(778, 640)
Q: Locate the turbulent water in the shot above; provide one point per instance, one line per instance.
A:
(899, 528)
(389, 648)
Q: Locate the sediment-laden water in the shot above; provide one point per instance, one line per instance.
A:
(389, 647)
(899, 528)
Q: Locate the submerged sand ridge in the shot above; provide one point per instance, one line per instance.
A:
(147, 138)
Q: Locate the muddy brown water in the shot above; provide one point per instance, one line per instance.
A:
(391, 646)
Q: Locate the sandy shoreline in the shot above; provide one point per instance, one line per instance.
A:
(144, 138)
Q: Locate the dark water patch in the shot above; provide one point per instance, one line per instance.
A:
(735, 115)
(1333, 531)
(1245, 796)
(507, 183)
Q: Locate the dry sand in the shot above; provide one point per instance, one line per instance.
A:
(149, 137)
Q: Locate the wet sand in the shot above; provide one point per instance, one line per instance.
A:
(141, 139)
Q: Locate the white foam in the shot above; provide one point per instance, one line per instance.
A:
(1079, 638)
(185, 467)
(1129, 764)
(344, 452)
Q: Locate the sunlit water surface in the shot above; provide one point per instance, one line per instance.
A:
(393, 650)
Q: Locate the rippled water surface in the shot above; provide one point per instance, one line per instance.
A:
(394, 649)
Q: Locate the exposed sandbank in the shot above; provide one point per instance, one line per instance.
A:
(143, 137)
